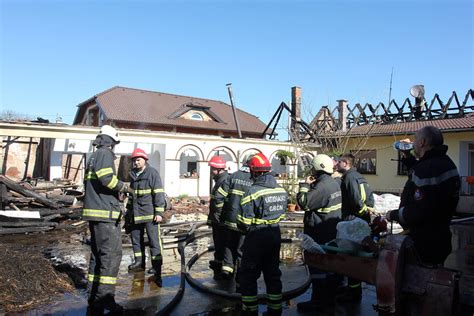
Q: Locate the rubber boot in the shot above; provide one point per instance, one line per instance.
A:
(137, 265)
(321, 297)
(112, 306)
(151, 271)
(157, 267)
(215, 265)
(351, 295)
(106, 303)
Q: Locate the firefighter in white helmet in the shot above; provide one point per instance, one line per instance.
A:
(320, 197)
(102, 210)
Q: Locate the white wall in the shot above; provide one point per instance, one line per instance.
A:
(164, 150)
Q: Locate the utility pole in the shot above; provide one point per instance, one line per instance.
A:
(231, 96)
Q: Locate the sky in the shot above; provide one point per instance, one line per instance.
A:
(56, 54)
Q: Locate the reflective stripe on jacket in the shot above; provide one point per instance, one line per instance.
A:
(148, 197)
(217, 198)
(322, 204)
(357, 195)
(236, 185)
(265, 203)
(428, 202)
(101, 185)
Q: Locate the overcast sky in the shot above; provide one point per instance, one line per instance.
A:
(56, 54)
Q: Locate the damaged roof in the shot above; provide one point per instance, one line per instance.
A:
(452, 124)
(131, 105)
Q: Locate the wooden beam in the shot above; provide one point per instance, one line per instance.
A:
(12, 185)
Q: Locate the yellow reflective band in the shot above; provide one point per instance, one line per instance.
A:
(90, 175)
(159, 209)
(222, 191)
(330, 209)
(260, 193)
(220, 205)
(143, 218)
(274, 305)
(249, 298)
(363, 209)
(274, 297)
(99, 213)
(155, 258)
(159, 239)
(230, 224)
(353, 286)
(228, 269)
(304, 189)
(137, 254)
(250, 307)
(103, 172)
(113, 183)
(102, 279)
(237, 192)
(158, 191)
(259, 221)
(143, 192)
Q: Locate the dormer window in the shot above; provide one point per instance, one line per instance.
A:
(197, 117)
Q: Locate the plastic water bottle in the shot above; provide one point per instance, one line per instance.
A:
(403, 146)
(310, 245)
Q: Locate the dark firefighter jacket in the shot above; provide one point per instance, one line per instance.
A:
(428, 203)
(101, 202)
(217, 198)
(356, 195)
(322, 205)
(148, 196)
(264, 203)
(236, 185)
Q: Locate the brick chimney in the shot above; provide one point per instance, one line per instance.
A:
(342, 108)
(295, 106)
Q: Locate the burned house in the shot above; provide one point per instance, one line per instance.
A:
(180, 135)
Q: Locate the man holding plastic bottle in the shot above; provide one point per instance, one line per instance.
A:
(430, 196)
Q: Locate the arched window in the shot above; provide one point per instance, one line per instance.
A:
(197, 117)
(188, 164)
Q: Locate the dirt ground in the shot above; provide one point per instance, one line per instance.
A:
(27, 276)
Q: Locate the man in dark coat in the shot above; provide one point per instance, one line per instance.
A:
(430, 197)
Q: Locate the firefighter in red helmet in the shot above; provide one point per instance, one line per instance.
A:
(261, 209)
(145, 211)
(217, 198)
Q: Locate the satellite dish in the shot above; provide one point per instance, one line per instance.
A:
(418, 91)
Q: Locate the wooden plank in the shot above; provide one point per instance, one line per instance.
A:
(12, 185)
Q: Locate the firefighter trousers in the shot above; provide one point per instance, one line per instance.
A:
(261, 253)
(153, 233)
(218, 235)
(232, 249)
(106, 254)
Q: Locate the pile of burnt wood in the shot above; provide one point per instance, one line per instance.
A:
(35, 205)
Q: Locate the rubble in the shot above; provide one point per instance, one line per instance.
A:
(37, 207)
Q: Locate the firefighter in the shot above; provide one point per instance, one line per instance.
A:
(146, 209)
(102, 210)
(262, 207)
(430, 197)
(320, 197)
(236, 185)
(217, 198)
(357, 200)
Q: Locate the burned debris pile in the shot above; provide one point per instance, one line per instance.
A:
(35, 206)
(27, 279)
